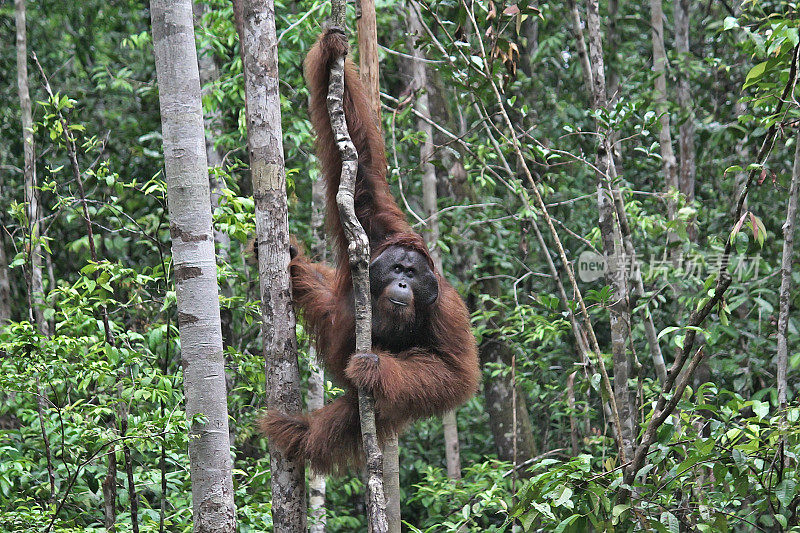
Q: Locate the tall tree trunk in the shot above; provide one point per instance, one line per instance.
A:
(316, 380)
(622, 218)
(686, 175)
(122, 414)
(429, 200)
(499, 392)
(612, 38)
(613, 250)
(34, 267)
(368, 52)
(580, 45)
(209, 73)
(31, 193)
(368, 68)
(110, 491)
(786, 283)
(664, 136)
(256, 26)
(358, 252)
(195, 267)
(5, 285)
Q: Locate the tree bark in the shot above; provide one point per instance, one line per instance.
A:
(665, 136)
(391, 482)
(110, 491)
(316, 381)
(687, 172)
(31, 186)
(612, 38)
(368, 52)
(613, 250)
(34, 267)
(429, 200)
(209, 73)
(786, 282)
(5, 285)
(580, 44)
(497, 393)
(256, 25)
(635, 274)
(368, 68)
(359, 257)
(195, 266)
(122, 413)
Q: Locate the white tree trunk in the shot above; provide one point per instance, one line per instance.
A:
(664, 136)
(5, 285)
(613, 247)
(429, 200)
(256, 25)
(316, 381)
(34, 266)
(195, 265)
(686, 175)
(786, 280)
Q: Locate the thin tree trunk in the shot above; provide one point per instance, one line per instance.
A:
(316, 482)
(194, 264)
(686, 176)
(209, 73)
(580, 44)
(256, 26)
(368, 52)
(573, 426)
(786, 284)
(612, 39)
(34, 268)
(110, 491)
(368, 68)
(391, 482)
(359, 257)
(126, 454)
(627, 238)
(31, 192)
(5, 285)
(613, 247)
(665, 136)
(429, 200)
(499, 391)
(316, 380)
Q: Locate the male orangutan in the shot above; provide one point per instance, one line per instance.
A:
(424, 360)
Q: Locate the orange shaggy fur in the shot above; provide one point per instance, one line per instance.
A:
(421, 371)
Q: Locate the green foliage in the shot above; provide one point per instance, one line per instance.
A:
(722, 455)
(726, 461)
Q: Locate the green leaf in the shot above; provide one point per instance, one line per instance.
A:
(667, 331)
(619, 509)
(729, 23)
(671, 522)
(761, 409)
(785, 491)
(754, 75)
(566, 522)
(564, 497)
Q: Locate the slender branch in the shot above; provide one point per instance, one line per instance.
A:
(358, 250)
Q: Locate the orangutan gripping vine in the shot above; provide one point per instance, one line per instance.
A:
(424, 359)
